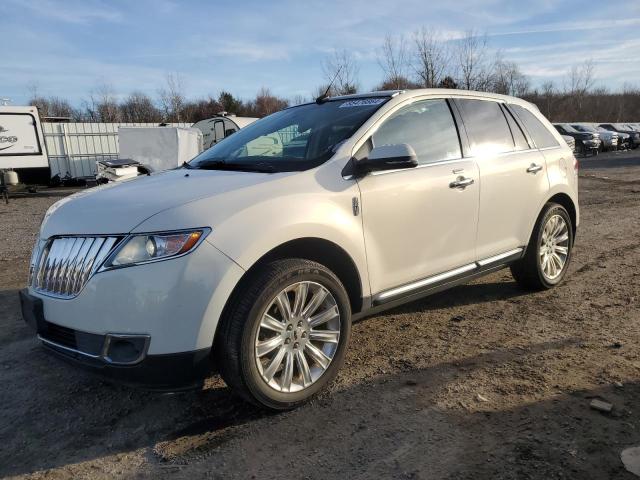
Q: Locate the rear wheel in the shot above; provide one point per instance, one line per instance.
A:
(549, 251)
(285, 335)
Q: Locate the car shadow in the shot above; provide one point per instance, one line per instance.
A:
(466, 294)
(56, 415)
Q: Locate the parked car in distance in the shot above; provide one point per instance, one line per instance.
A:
(256, 263)
(634, 136)
(609, 140)
(570, 141)
(624, 139)
(586, 142)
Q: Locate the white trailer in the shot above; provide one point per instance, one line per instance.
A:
(222, 125)
(21, 139)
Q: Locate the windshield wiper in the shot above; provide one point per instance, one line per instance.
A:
(236, 166)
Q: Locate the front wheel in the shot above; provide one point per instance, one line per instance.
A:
(285, 334)
(549, 251)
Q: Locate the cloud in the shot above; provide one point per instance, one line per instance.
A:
(571, 26)
(83, 12)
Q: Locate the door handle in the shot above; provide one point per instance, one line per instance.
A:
(461, 182)
(533, 168)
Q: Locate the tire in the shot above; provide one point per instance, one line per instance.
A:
(252, 375)
(531, 272)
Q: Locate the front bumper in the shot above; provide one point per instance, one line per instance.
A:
(176, 302)
(95, 353)
(591, 143)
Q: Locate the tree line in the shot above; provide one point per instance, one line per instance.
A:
(425, 59)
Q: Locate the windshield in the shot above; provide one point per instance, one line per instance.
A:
(294, 139)
(584, 128)
(569, 128)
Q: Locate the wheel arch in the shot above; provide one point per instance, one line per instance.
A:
(319, 250)
(566, 201)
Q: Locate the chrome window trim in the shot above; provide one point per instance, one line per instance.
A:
(439, 96)
(418, 167)
(555, 147)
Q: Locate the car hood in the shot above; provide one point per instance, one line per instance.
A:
(117, 208)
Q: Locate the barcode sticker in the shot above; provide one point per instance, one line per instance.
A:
(362, 102)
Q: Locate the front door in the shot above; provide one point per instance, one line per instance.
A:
(417, 222)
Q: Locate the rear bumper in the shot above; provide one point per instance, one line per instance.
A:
(95, 353)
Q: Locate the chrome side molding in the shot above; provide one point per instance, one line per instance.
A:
(425, 282)
(501, 256)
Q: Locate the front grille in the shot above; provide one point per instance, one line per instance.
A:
(66, 263)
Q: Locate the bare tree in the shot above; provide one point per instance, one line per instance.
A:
(298, 99)
(172, 97)
(341, 66)
(393, 58)
(138, 107)
(548, 92)
(470, 57)
(266, 103)
(581, 78)
(431, 57)
(102, 105)
(54, 107)
(508, 79)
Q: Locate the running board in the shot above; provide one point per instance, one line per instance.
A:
(461, 273)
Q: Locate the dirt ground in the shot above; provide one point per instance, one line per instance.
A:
(483, 381)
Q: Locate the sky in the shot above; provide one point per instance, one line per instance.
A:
(68, 48)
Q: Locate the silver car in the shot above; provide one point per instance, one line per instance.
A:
(257, 260)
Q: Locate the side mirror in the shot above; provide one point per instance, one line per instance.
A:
(388, 157)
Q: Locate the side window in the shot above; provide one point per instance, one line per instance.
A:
(542, 137)
(486, 127)
(427, 126)
(518, 135)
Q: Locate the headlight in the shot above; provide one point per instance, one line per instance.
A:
(155, 246)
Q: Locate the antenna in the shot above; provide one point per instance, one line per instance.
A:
(325, 95)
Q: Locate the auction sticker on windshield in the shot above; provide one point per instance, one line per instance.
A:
(363, 102)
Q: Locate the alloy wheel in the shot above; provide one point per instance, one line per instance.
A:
(554, 247)
(298, 337)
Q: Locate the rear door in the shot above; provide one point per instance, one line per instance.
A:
(512, 174)
(417, 223)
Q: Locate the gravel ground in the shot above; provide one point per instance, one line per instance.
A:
(483, 381)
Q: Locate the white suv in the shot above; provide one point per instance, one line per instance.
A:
(256, 256)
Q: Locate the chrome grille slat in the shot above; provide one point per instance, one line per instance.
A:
(70, 265)
(66, 263)
(81, 261)
(64, 266)
(91, 256)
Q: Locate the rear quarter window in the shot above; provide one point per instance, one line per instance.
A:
(541, 136)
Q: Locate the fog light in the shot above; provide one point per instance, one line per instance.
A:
(125, 349)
